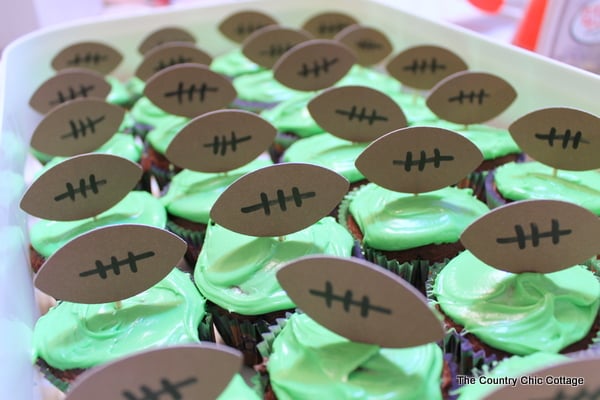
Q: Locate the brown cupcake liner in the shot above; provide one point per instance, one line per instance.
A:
(193, 238)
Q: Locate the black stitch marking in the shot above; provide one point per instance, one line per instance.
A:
(281, 200)
(72, 93)
(87, 59)
(80, 127)
(276, 50)
(71, 192)
(347, 301)
(436, 160)
(366, 44)
(243, 30)
(423, 66)
(362, 115)
(182, 93)
(331, 28)
(317, 68)
(521, 238)
(167, 388)
(219, 145)
(115, 265)
(470, 97)
(162, 64)
(568, 136)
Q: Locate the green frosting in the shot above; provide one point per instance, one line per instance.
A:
(396, 221)
(165, 131)
(238, 390)
(136, 87)
(310, 362)
(518, 313)
(146, 112)
(491, 141)
(328, 151)
(234, 63)
(191, 194)
(533, 180)
(119, 93)
(414, 107)
(514, 367)
(138, 207)
(237, 272)
(75, 335)
(292, 115)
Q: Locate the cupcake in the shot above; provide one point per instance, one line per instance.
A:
(397, 229)
(73, 337)
(234, 63)
(243, 247)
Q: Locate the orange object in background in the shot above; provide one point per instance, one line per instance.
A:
(529, 30)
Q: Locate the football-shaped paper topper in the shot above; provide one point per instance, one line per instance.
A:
(354, 298)
(240, 25)
(76, 127)
(421, 67)
(279, 199)
(165, 35)
(69, 84)
(314, 64)
(169, 54)
(561, 137)
(571, 379)
(368, 44)
(189, 90)
(534, 236)
(221, 141)
(96, 56)
(418, 159)
(326, 25)
(267, 44)
(81, 187)
(194, 371)
(468, 97)
(110, 263)
(356, 113)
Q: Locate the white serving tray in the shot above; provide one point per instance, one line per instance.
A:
(25, 64)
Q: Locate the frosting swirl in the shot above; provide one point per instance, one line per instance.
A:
(234, 63)
(309, 361)
(518, 313)
(74, 335)
(237, 272)
(396, 221)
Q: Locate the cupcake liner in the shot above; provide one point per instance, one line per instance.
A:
(492, 197)
(243, 332)
(193, 238)
(476, 182)
(62, 380)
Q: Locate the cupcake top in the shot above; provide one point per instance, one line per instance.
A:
(164, 131)
(515, 366)
(234, 63)
(138, 207)
(392, 220)
(237, 272)
(191, 194)
(493, 142)
(309, 361)
(292, 116)
(146, 112)
(119, 93)
(328, 151)
(518, 313)
(238, 389)
(75, 335)
(533, 180)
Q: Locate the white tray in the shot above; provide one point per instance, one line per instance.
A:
(540, 82)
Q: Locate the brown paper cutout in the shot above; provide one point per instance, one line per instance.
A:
(356, 113)
(279, 199)
(76, 127)
(69, 84)
(240, 25)
(96, 56)
(418, 159)
(314, 64)
(81, 187)
(422, 67)
(189, 90)
(110, 263)
(572, 379)
(370, 45)
(264, 46)
(165, 35)
(351, 297)
(194, 371)
(326, 25)
(561, 137)
(534, 236)
(221, 141)
(169, 54)
(470, 97)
